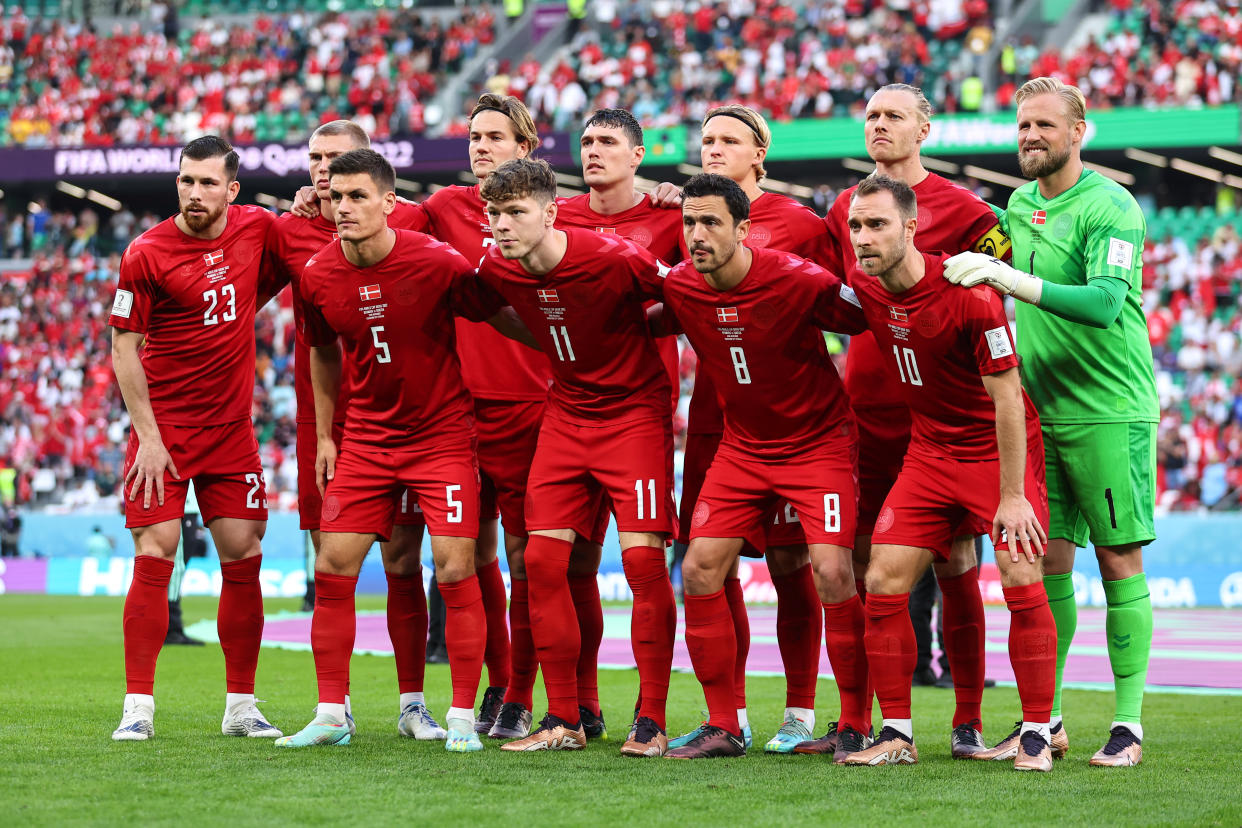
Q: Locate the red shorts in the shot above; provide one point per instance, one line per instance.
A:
(883, 435)
(370, 484)
(937, 499)
(223, 462)
(508, 431)
(574, 466)
(310, 502)
(700, 449)
(741, 492)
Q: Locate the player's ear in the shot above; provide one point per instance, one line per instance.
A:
(1078, 131)
(523, 149)
(639, 152)
(549, 214)
(234, 189)
(390, 202)
(924, 130)
(742, 230)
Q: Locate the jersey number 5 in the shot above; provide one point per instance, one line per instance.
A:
(381, 347)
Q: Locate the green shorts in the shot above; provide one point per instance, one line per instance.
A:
(1101, 482)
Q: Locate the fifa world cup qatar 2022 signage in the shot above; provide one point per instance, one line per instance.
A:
(408, 155)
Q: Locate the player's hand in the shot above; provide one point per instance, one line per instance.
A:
(666, 196)
(306, 203)
(970, 269)
(148, 472)
(325, 463)
(1016, 521)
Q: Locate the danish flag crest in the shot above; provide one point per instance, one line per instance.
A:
(1039, 217)
(726, 314)
(605, 230)
(214, 257)
(898, 314)
(369, 293)
(547, 295)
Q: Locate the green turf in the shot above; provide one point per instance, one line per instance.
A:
(62, 684)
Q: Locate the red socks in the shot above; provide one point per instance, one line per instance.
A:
(407, 629)
(333, 627)
(798, 632)
(1032, 649)
(712, 643)
(963, 642)
(861, 585)
(741, 637)
(496, 654)
(891, 652)
(553, 623)
(522, 664)
(465, 637)
(653, 626)
(145, 621)
(239, 622)
(585, 592)
(843, 636)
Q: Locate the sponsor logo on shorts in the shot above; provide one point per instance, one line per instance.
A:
(886, 519)
(214, 257)
(369, 293)
(331, 508)
(701, 513)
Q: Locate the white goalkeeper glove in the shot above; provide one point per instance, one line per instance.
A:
(970, 269)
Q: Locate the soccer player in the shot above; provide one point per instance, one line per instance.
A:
(295, 239)
(951, 219)
(189, 287)
(754, 318)
(973, 456)
(611, 150)
(1087, 364)
(735, 140)
(607, 432)
(390, 296)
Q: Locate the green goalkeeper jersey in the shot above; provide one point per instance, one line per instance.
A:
(1075, 373)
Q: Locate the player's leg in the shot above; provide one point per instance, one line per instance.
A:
(584, 587)
(310, 503)
(496, 655)
(334, 624)
(799, 627)
(465, 627)
(712, 643)
(406, 614)
(514, 719)
(963, 623)
(891, 650)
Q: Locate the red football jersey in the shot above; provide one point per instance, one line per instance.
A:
(395, 323)
(938, 340)
(587, 314)
(777, 222)
(493, 366)
(952, 220)
(655, 229)
(294, 240)
(762, 347)
(195, 301)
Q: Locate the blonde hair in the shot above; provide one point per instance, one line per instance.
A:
(1071, 96)
(758, 127)
(921, 103)
(515, 110)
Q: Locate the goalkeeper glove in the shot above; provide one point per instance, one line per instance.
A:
(970, 269)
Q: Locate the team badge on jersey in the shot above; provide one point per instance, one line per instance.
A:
(369, 293)
(547, 295)
(898, 314)
(1039, 217)
(726, 315)
(214, 257)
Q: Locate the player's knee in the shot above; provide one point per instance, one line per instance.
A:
(884, 577)
(834, 576)
(700, 575)
(1021, 573)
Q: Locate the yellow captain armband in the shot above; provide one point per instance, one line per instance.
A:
(994, 243)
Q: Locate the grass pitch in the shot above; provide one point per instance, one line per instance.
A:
(63, 681)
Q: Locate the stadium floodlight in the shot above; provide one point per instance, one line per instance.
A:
(1191, 168)
(1147, 157)
(795, 190)
(1234, 181)
(1010, 181)
(70, 189)
(34, 208)
(467, 178)
(1228, 156)
(858, 166)
(104, 200)
(411, 186)
(570, 180)
(946, 167)
(689, 169)
(1123, 178)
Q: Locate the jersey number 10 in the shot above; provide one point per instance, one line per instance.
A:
(909, 371)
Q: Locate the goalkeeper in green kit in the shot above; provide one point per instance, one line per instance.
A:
(1087, 365)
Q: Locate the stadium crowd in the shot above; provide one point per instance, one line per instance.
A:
(63, 427)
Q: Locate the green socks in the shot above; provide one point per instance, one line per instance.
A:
(1060, 589)
(1128, 627)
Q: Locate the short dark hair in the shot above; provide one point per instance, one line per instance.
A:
(343, 127)
(520, 178)
(212, 146)
(368, 162)
(709, 184)
(903, 195)
(621, 119)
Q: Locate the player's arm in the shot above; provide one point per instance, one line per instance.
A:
(837, 307)
(508, 323)
(1014, 516)
(152, 457)
(473, 298)
(666, 196)
(325, 373)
